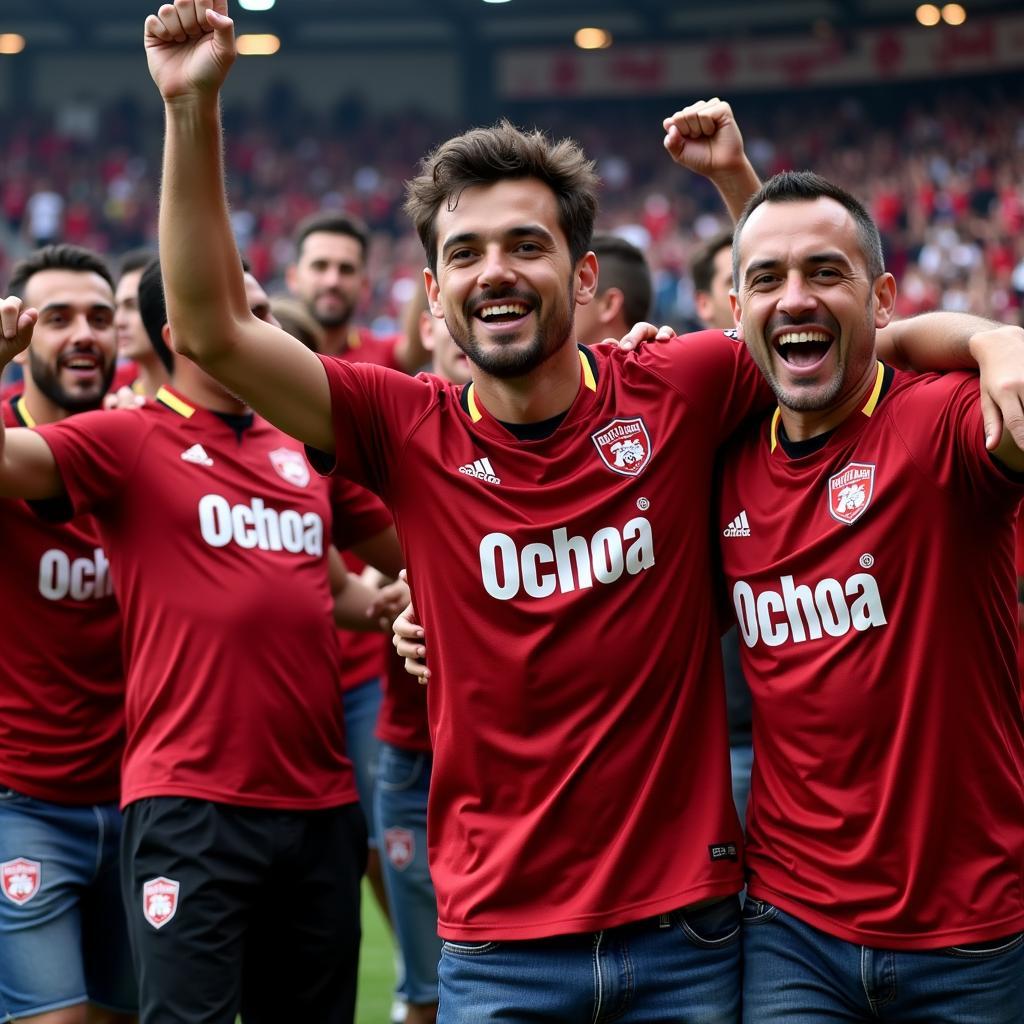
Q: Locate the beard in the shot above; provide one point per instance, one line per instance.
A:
(47, 379)
(337, 316)
(507, 357)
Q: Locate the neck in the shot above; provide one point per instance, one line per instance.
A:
(152, 376)
(336, 339)
(546, 391)
(41, 408)
(802, 425)
(206, 394)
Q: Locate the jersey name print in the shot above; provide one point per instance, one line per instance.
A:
(548, 712)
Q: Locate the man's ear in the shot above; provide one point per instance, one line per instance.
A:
(585, 279)
(884, 290)
(433, 293)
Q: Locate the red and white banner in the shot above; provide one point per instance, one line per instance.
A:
(725, 67)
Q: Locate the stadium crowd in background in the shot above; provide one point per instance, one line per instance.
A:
(554, 837)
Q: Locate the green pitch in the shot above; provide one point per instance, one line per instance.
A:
(376, 966)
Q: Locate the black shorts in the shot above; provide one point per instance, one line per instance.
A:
(239, 909)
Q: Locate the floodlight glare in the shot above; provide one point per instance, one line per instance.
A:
(257, 45)
(256, 5)
(928, 15)
(11, 42)
(954, 14)
(593, 39)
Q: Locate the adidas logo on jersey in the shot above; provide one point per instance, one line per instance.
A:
(197, 454)
(739, 527)
(481, 469)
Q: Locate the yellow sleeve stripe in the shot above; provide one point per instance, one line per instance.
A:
(588, 373)
(22, 409)
(776, 416)
(172, 401)
(876, 391)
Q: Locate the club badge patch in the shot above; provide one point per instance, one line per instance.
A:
(159, 900)
(20, 879)
(399, 845)
(624, 446)
(850, 491)
(290, 466)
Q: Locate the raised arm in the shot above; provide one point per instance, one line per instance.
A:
(705, 138)
(190, 48)
(960, 341)
(27, 466)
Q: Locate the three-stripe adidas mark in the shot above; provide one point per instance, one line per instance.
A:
(739, 527)
(481, 469)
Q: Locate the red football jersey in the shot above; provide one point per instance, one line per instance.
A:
(62, 696)
(580, 753)
(358, 516)
(873, 582)
(364, 656)
(402, 721)
(217, 544)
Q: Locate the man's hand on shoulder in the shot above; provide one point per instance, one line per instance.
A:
(1000, 356)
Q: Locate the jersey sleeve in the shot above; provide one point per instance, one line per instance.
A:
(96, 454)
(715, 374)
(373, 410)
(940, 422)
(358, 514)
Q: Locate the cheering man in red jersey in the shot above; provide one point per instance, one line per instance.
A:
(549, 509)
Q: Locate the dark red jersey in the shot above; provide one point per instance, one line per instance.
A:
(577, 715)
(872, 576)
(403, 710)
(62, 695)
(217, 536)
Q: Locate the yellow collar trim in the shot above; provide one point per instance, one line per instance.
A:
(876, 391)
(474, 410)
(26, 416)
(172, 401)
(867, 409)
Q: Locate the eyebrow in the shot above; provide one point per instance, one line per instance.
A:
(60, 306)
(815, 259)
(521, 231)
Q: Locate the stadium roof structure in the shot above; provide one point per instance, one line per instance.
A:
(56, 25)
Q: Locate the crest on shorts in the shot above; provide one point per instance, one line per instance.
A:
(291, 466)
(624, 445)
(850, 491)
(20, 879)
(159, 900)
(399, 845)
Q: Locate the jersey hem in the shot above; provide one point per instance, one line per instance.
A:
(345, 796)
(595, 922)
(60, 797)
(889, 940)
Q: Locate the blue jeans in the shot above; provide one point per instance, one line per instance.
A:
(403, 779)
(796, 973)
(741, 760)
(361, 705)
(63, 935)
(682, 967)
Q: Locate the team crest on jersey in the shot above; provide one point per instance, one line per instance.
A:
(400, 845)
(850, 491)
(624, 446)
(159, 900)
(20, 879)
(290, 466)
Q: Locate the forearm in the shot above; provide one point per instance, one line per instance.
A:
(202, 271)
(933, 341)
(353, 604)
(736, 187)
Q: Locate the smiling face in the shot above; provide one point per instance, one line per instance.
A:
(74, 344)
(807, 305)
(329, 276)
(505, 284)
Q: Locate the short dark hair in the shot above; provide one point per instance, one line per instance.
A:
(622, 265)
(57, 257)
(702, 266)
(332, 222)
(484, 156)
(803, 186)
(134, 259)
(153, 310)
